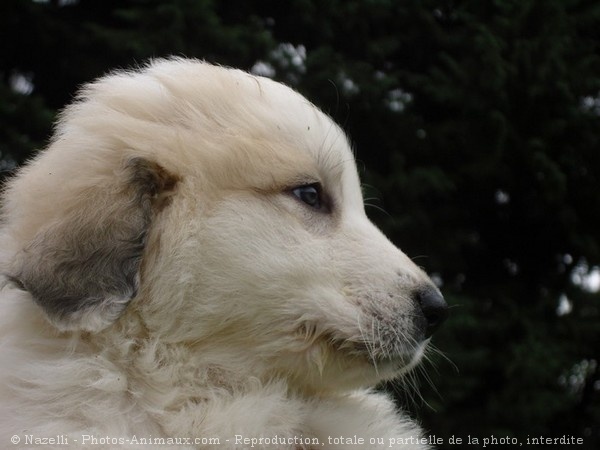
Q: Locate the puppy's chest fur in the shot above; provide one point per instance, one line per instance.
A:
(147, 389)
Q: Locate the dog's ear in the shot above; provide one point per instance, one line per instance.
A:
(83, 269)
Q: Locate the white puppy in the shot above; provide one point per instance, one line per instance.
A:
(189, 263)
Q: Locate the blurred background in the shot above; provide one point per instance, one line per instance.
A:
(476, 125)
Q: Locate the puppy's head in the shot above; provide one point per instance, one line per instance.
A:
(225, 210)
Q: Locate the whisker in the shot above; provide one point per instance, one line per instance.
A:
(433, 349)
(373, 357)
(378, 208)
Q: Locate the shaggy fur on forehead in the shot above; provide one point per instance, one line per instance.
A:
(165, 276)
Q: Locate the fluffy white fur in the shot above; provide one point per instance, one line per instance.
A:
(164, 280)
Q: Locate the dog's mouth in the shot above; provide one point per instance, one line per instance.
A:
(395, 357)
(387, 351)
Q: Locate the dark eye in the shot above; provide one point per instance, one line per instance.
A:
(309, 194)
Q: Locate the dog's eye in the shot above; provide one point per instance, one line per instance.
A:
(309, 194)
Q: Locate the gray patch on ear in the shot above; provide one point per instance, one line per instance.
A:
(84, 269)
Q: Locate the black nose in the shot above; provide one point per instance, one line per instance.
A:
(434, 308)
